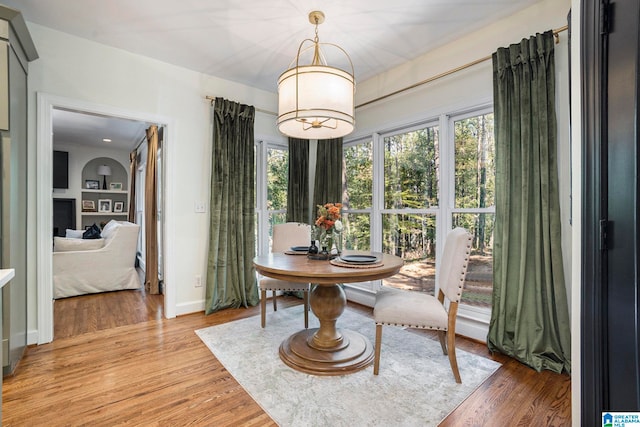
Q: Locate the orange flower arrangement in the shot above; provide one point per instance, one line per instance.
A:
(328, 225)
(328, 215)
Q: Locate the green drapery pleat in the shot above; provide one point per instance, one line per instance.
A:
(298, 186)
(231, 278)
(529, 318)
(329, 170)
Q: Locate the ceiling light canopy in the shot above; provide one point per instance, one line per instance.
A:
(315, 101)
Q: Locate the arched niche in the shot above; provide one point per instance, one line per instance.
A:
(119, 173)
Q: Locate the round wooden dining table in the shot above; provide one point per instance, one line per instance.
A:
(326, 350)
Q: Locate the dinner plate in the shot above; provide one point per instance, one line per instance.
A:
(359, 259)
(300, 248)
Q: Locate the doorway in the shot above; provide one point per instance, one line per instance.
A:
(47, 105)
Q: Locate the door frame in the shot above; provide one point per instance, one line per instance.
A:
(610, 328)
(44, 241)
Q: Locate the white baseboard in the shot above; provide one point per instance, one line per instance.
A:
(360, 296)
(32, 337)
(472, 329)
(473, 322)
(199, 305)
(189, 307)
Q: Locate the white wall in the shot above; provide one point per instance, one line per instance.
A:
(545, 15)
(78, 69)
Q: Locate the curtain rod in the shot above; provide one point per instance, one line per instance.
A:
(449, 72)
(140, 143)
(144, 138)
(420, 83)
(213, 98)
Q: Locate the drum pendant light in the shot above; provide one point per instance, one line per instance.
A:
(316, 101)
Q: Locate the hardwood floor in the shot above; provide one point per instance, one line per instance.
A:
(119, 367)
(95, 312)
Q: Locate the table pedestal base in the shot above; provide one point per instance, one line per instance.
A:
(354, 353)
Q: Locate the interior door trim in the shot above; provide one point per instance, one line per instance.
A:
(44, 171)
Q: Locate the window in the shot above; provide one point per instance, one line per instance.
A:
(272, 169)
(410, 204)
(411, 169)
(277, 179)
(358, 192)
(405, 190)
(474, 201)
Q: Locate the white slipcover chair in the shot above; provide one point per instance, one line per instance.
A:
(412, 309)
(80, 268)
(285, 236)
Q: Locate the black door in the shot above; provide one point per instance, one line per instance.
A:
(610, 337)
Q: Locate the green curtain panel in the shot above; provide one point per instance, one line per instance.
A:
(529, 318)
(329, 170)
(231, 278)
(298, 186)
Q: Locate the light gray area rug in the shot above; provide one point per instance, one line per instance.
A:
(415, 386)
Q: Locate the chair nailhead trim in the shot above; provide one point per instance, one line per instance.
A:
(402, 325)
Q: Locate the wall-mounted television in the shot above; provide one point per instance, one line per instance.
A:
(60, 169)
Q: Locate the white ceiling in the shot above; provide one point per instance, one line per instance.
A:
(254, 41)
(72, 127)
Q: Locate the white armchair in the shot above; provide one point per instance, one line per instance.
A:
(109, 267)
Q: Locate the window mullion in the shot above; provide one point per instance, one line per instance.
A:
(378, 192)
(261, 196)
(446, 179)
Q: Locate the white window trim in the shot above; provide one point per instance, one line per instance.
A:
(261, 194)
(262, 147)
(472, 321)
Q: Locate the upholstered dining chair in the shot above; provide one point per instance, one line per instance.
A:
(412, 309)
(285, 236)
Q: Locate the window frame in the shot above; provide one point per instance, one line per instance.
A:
(369, 211)
(378, 180)
(474, 316)
(473, 319)
(262, 148)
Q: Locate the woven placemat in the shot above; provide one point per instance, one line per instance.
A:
(339, 263)
(295, 253)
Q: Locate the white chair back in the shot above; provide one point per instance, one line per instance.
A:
(290, 234)
(455, 259)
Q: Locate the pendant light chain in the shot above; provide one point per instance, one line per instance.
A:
(316, 50)
(316, 39)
